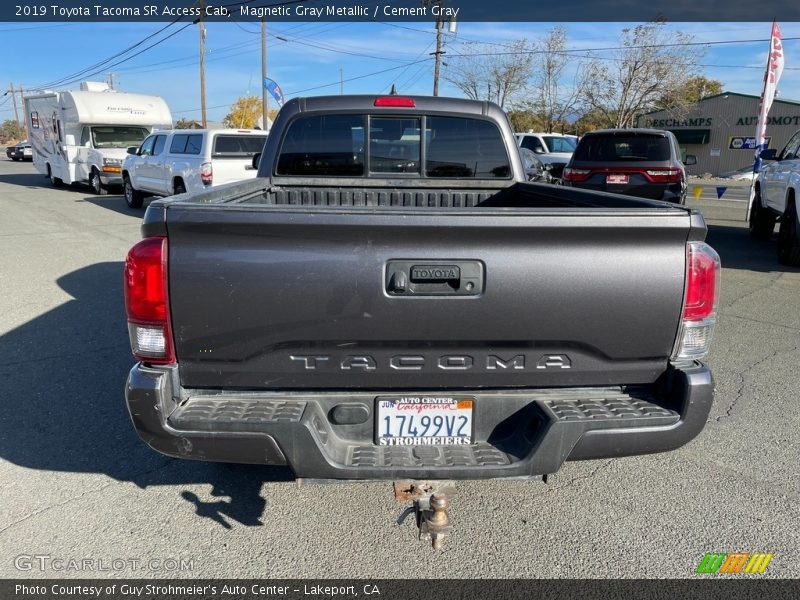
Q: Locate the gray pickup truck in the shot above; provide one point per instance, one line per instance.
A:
(389, 299)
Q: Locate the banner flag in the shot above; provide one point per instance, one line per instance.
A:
(274, 89)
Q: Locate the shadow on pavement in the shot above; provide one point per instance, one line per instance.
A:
(63, 375)
(740, 251)
(117, 204)
(34, 179)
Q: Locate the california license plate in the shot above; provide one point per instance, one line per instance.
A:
(423, 420)
(617, 178)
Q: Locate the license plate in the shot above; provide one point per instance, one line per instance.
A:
(423, 420)
(617, 178)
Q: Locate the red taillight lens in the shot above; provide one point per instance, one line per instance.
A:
(702, 282)
(147, 301)
(206, 173)
(668, 175)
(570, 174)
(701, 295)
(395, 101)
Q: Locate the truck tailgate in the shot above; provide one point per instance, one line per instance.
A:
(276, 297)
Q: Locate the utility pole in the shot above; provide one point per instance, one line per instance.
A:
(437, 64)
(264, 94)
(111, 81)
(14, 102)
(203, 116)
(341, 81)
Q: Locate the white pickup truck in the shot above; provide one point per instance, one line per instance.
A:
(776, 200)
(189, 160)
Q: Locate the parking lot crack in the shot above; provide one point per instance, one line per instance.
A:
(744, 380)
(41, 511)
(759, 289)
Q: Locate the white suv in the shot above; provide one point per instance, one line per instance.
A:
(189, 160)
(551, 148)
(776, 191)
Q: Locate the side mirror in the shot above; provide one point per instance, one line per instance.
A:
(538, 150)
(133, 150)
(690, 160)
(256, 160)
(69, 140)
(768, 154)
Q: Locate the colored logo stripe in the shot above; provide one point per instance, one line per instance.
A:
(735, 562)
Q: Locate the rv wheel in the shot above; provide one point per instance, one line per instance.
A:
(97, 185)
(54, 180)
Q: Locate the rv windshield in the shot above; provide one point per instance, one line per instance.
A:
(117, 137)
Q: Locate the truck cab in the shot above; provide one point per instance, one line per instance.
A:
(188, 160)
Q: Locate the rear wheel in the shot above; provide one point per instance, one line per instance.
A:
(14, 158)
(55, 181)
(179, 187)
(96, 183)
(789, 238)
(133, 198)
(762, 221)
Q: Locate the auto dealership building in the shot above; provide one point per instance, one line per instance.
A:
(720, 130)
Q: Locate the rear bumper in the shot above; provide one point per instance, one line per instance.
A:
(519, 433)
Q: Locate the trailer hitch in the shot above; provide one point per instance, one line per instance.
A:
(430, 504)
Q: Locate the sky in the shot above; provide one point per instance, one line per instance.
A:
(311, 57)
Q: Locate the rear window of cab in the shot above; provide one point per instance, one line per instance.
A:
(405, 146)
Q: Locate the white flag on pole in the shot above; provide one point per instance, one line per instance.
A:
(771, 77)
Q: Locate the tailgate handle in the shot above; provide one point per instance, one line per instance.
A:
(434, 278)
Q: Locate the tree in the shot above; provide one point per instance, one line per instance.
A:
(653, 64)
(244, 113)
(524, 120)
(184, 123)
(10, 130)
(483, 73)
(551, 98)
(698, 87)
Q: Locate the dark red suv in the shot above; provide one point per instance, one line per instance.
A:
(635, 162)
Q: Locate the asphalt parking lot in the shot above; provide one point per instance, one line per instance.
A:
(78, 483)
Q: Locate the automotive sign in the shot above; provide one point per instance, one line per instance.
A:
(745, 143)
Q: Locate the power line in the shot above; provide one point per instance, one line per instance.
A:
(335, 83)
(79, 74)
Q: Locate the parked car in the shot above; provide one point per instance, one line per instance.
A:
(635, 162)
(551, 148)
(20, 151)
(744, 174)
(379, 304)
(189, 160)
(776, 193)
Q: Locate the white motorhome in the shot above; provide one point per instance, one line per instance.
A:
(83, 135)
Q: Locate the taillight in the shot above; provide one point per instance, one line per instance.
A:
(395, 101)
(701, 295)
(570, 174)
(206, 173)
(667, 175)
(147, 301)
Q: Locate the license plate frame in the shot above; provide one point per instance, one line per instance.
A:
(618, 178)
(406, 414)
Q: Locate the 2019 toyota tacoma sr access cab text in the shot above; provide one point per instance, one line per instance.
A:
(389, 299)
